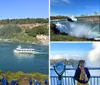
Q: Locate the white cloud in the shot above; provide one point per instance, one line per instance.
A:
(67, 56)
(59, 1)
(75, 56)
(94, 54)
(57, 57)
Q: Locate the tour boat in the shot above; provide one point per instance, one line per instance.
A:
(19, 49)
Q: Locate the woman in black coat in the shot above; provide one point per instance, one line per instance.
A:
(82, 74)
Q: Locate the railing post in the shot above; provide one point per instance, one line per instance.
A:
(74, 81)
(59, 81)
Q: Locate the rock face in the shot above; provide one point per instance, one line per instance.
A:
(54, 29)
(69, 19)
(61, 18)
(89, 18)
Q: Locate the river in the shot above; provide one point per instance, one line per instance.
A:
(23, 62)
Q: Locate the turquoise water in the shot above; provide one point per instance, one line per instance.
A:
(23, 62)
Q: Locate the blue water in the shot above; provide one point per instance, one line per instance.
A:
(23, 62)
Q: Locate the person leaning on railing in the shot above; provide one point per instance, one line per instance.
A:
(82, 74)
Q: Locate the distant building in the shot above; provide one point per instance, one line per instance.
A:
(42, 37)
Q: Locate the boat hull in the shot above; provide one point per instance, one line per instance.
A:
(24, 52)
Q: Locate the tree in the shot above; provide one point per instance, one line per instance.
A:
(24, 21)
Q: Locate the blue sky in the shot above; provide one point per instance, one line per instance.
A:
(74, 7)
(89, 51)
(70, 49)
(24, 9)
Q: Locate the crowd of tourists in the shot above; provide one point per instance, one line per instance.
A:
(4, 81)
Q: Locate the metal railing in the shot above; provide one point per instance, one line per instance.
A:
(68, 80)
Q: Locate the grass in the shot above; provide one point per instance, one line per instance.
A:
(60, 37)
(25, 38)
(16, 33)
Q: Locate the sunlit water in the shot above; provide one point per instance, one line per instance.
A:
(9, 61)
(79, 29)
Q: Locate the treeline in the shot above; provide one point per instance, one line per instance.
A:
(24, 21)
(9, 31)
(13, 31)
(58, 17)
(72, 62)
(37, 30)
(61, 18)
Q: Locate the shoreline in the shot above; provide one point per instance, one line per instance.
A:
(26, 42)
(2, 71)
(76, 21)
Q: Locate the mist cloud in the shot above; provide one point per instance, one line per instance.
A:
(94, 54)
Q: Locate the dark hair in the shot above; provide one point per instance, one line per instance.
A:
(81, 61)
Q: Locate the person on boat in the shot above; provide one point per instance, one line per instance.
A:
(2, 79)
(35, 81)
(5, 82)
(82, 74)
(12, 82)
(46, 82)
(30, 81)
(16, 82)
(40, 83)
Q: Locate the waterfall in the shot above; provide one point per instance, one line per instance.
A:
(79, 29)
(62, 28)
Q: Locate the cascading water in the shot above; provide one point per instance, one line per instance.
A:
(95, 32)
(62, 28)
(79, 29)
